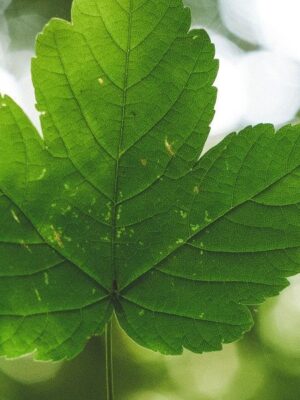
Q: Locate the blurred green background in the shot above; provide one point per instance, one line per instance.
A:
(266, 364)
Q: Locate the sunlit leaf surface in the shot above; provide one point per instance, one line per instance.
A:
(113, 210)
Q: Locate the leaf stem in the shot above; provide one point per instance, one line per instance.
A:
(109, 361)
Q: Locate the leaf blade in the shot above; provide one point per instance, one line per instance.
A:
(116, 192)
(35, 312)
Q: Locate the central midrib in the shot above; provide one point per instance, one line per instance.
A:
(120, 144)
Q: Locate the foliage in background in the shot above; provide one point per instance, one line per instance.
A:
(27, 17)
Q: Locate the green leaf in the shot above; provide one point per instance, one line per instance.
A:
(47, 302)
(125, 215)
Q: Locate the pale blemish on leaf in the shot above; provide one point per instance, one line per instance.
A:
(183, 214)
(105, 238)
(15, 217)
(46, 278)
(119, 212)
(144, 162)
(74, 193)
(194, 227)
(38, 295)
(107, 216)
(206, 217)
(57, 237)
(131, 232)
(42, 175)
(120, 232)
(169, 148)
(65, 210)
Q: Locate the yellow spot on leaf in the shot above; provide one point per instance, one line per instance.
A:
(57, 237)
(169, 147)
(15, 217)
